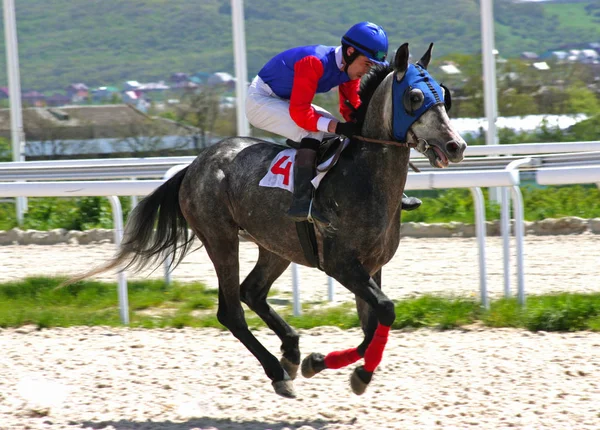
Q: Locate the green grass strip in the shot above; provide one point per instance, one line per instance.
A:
(153, 304)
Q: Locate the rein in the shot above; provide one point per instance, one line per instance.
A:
(386, 142)
(393, 143)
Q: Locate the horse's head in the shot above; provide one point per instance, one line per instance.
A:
(420, 111)
(408, 105)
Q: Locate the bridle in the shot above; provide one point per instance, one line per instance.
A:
(420, 144)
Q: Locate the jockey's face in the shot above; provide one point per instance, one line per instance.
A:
(359, 67)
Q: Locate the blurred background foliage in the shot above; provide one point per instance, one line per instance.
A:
(108, 42)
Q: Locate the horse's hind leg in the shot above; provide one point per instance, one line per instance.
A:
(223, 250)
(255, 289)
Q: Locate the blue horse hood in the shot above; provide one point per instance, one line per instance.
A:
(416, 77)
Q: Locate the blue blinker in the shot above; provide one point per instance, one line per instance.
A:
(416, 77)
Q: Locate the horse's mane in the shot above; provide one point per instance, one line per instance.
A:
(368, 85)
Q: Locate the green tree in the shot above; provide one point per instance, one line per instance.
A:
(586, 130)
(200, 109)
(580, 99)
(514, 103)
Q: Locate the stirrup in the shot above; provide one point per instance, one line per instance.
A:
(310, 218)
(318, 216)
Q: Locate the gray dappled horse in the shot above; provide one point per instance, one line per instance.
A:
(218, 197)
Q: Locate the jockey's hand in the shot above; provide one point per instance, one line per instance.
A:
(347, 129)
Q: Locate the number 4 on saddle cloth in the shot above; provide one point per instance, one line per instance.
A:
(281, 175)
(281, 170)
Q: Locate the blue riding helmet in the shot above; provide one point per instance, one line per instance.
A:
(412, 96)
(369, 39)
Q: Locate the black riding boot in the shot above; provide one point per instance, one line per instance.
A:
(410, 203)
(304, 172)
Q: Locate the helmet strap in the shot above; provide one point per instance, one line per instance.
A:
(348, 59)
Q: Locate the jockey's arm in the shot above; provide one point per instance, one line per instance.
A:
(307, 73)
(349, 91)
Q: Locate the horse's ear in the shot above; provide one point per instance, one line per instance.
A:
(424, 61)
(401, 59)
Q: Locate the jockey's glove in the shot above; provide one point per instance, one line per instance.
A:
(347, 129)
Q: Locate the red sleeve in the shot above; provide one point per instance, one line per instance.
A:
(307, 73)
(349, 91)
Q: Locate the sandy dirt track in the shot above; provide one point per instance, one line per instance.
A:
(107, 378)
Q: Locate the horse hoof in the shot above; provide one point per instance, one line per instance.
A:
(359, 380)
(289, 367)
(285, 388)
(313, 364)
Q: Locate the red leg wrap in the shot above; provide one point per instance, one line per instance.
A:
(339, 359)
(375, 349)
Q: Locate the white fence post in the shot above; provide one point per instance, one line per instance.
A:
(168, 261)
(480, 227)
(297, 306)
(519, 235)
(121, 276)
(505, 231)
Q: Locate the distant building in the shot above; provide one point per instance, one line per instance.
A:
(181, 88)
(589, 56)
(78, 92)
(450, 69)
(131, 85)
(541, 65)
(82, 122)
(104, 94)
(583, 52)
(98, 131)
(33, 98)
(179, 77)
(221, 79)
(528, 55)
(58, 100)
(200, 77)
(133, 91)
(132, 96)
(153, 87)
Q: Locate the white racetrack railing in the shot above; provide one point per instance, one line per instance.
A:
(496, 157)
(507, 178)
(567, 175)
(471, 180)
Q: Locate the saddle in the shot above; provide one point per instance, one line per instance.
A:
(329, 148)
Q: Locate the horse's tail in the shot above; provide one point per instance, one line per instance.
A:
(142, 245)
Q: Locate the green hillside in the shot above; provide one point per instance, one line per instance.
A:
(109, 41)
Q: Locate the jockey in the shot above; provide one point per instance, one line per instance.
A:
(280, 99)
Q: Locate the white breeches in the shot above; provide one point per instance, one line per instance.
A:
(265, 110)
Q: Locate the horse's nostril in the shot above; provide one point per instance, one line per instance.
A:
(452, 146)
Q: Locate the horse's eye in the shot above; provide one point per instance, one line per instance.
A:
(413, 100)
(416, 97)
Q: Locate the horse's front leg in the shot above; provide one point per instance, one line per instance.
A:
(376, 328)
(368, 319)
